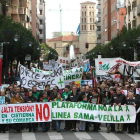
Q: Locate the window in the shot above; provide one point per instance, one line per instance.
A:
(82, 14)
(90, 27)
(74, 46)
(82, 20)
(85, 19)
(40, 12)
(93, 27)
(85, 13)
(40, 21)
(90, 13)
(93, 19)
(82, 27)
(54, 45)
(40, 31)
(85, 27)
(90, 20)
(93, 13)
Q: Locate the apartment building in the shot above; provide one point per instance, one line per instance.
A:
(99, 21)
(18, 10)
(31, 14)
(110, 19)
(132, 18)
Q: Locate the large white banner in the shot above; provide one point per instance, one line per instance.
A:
(30, 78)
(64, 61)
(93, 113)
(25, 113)
(74, 74)
(106, 66)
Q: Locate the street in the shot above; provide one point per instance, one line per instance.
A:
(68, 135)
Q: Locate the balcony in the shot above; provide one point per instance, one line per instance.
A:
(138, 9)
(13, 10)
(98, 14)
(99, 2)
(41, 36)
(41, 17)
(21, 10)
(41, 26)
(98, 7)
(40, 7)
(134, 12)
(30, 19)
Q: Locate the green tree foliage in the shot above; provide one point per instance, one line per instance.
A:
(17, 50)
(50, 53)
(115, 47)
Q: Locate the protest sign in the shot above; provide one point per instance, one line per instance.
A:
(74, 74)
(40, 80)
(124, 92)
(106, 66)
(2, 99)
(64, 61)
(25, 113)
(137, 90)
(93, 113)
(103, 65)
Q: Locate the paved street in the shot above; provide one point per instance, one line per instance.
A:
(67, 135)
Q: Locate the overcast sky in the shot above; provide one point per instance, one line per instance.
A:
(70, 15)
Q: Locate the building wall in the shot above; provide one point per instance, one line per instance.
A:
(61, 46)
(87, 27)
(132, 18)
(1, 12)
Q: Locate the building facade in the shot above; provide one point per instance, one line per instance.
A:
(132, 18)
(37, 19)
(18, 10)
(31, 14)
(87, 26)
(62, 45)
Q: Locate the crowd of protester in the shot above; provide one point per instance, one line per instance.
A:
(105, 92)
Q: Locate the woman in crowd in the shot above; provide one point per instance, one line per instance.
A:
(17, 99)
(58, 99)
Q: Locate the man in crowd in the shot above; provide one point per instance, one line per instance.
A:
(118, 99)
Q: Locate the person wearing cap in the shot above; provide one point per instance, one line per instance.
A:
(65, 96)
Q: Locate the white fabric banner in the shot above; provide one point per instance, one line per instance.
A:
(30, 78)
(93, 113)
(74, 74)
(64, 61)
(106, 66)
(25, 113)
(51, 66)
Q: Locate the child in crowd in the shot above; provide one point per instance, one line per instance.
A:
(82, 124)
(58, 99)
(45, 125)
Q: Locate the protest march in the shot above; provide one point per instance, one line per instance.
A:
(80, 96)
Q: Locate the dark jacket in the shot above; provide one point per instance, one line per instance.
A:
(118, 98)
(138, 101)
(53, 96)
(130, 101)
(73, 98)
(7, 100)
(30, 98)
(84, 93)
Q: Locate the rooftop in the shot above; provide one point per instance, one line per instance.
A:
(88, 2)
(65, 38)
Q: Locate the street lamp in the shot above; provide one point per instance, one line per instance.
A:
(30, 43)
(16, 37)
(111, 47)
(124, 44)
